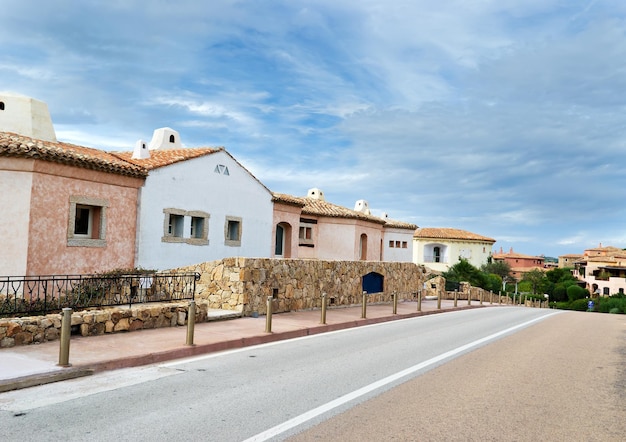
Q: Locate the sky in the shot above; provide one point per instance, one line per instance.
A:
(505, 118)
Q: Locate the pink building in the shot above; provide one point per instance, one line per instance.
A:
(311, 227)
(65, 209)
(520, 263)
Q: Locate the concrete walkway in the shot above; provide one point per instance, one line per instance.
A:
(36, 364)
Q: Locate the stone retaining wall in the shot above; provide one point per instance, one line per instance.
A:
(36, 329)
(244, 284)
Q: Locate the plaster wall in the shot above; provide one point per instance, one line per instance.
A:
(395, 253)
(48, 249)
(287, 214)
(193, 185)
(476, 253)
(14, 215)
(339, 239)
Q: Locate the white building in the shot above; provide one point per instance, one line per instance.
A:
(441, 248)
(197, 205)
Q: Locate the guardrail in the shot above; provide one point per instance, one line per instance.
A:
(39, 295)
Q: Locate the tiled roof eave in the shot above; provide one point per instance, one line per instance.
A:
(355, 215)
(33, 151)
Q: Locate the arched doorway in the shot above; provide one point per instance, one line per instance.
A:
(282, 245)
(363, 247)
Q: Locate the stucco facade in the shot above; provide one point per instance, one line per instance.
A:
(211, 196)
(46, 187)
(441, 248)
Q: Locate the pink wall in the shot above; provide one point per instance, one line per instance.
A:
(48, 250)
(288, 214)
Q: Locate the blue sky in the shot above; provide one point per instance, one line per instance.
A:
(504, 118)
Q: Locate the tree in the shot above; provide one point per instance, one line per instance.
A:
(500, 268)
(537, 280)
(463, 271)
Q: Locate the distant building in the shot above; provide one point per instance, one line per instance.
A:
(311, 227)
(603, 269)
(519, 263)
(441, 248)
(568, 261)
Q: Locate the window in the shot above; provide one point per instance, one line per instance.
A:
(197, 227)
(177, 222)
(391, 243)
(1, 105)
(404, 244)
(87, 222)
(305, 233)
(176, 225)
(172, 139)
(232, 231)
(397, 244)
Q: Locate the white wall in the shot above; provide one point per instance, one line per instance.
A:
(476, 253)
(394, 254)
(193, 185)
(14, 221)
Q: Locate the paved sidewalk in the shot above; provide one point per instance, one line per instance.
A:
(36, 364)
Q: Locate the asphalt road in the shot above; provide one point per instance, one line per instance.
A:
(391, 381)
(564, 379)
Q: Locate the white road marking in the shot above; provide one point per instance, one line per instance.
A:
(312, 414)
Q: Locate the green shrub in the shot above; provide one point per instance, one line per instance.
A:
(616, 302)
(580, 305)
(575, 292)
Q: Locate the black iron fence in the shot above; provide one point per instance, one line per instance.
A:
(39, 295)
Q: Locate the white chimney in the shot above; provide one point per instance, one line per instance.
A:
(363, 207)
(316, 194)
(165, 138)
(25, 116)
(141, 151)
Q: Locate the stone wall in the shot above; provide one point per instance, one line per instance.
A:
(36, 329)
(244, 284)
(241, 285)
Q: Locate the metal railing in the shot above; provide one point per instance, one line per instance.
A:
(39, 295)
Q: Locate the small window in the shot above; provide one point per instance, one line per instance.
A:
(183, 226)
(87, 222)
(404, 244)
(197, 227)
(605, 291)
(391, 243)
(397, 244)
(232, 231)
(1, 105)
(305, 235)
(172, 139)
(176, 225)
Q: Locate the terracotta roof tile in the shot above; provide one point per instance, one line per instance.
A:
(165, 157)
(448, 233)
(315, 207)
(14, 145)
